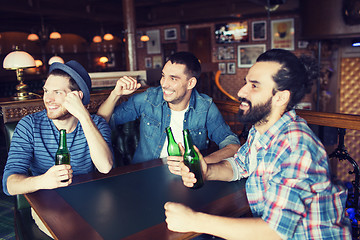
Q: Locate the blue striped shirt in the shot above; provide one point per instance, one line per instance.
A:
(36, 140)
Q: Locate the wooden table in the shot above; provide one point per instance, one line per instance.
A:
(128, 203)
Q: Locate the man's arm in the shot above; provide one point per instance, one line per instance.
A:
(100, 152)
(219, 155)
(180, 218)
(221, 171)
(124, 86)
(21, 184)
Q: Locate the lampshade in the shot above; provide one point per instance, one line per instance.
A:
(38, 63)
(33, 37)
(18, 60)
(103, 60)
(55, 59)
(97, 39)
(108, 37)
(144, 38)
(55, 35)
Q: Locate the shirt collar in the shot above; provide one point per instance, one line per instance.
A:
(275, 129)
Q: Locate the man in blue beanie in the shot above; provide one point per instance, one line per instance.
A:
(36, 137)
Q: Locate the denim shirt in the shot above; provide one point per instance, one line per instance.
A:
(203, 119)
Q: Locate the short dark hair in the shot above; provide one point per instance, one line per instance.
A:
(296, 74)
(72, 83)
(192, 64)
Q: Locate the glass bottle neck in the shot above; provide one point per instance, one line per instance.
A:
(170, 135)
(62, 141)
(187, 141)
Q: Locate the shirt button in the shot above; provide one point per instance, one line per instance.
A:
(199, 133)
(148, 124)
(159, 146)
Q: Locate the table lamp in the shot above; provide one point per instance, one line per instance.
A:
(19, 60)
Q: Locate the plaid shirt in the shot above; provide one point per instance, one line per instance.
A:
(290, 188)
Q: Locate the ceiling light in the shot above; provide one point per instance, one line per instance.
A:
(103, 60)
(55, 35)
(144, 38)
(97, 39)
(38, 63)
(108, 37)
(356, 43)
(55, 59)
(32, 37)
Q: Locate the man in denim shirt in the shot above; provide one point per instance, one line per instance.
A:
(175, 103)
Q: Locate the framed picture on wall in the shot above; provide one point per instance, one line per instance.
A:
(222, 68)
(153, 45)
(231, 68)
(170, 34)
(247, 54)
(226, 52)
(148, 63)
(283, 34)
(168, 49)
(157, 62)
(258, 30)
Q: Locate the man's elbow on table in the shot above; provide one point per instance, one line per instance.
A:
(105, 169)
(20, 184)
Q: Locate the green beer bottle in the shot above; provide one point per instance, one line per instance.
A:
(62, 155)
(191, 160)
(172, 148)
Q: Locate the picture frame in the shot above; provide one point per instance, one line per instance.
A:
(258, 29)
(231, 68)
(148, 62)
(247, 54)
(226, 52)
(111, 62)
(170, 34)
(283, 34)
(153, 45)
(222, 67)
(168, 49)
(157, 61)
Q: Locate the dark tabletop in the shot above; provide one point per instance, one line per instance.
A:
(130, 204)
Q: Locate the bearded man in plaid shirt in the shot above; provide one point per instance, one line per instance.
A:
(289, 188)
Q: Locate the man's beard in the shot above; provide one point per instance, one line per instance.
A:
(257, 114)
(59, 116)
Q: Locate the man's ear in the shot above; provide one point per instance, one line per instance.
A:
(192, 83)
(81, 94)
(282, 98)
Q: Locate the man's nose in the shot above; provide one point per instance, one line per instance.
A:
(165, 82)
(48, 97)
(243, 92)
